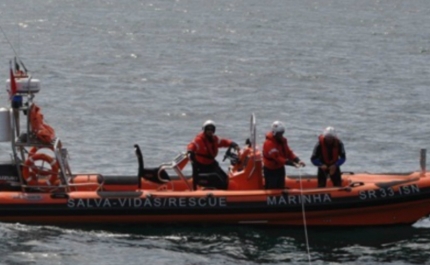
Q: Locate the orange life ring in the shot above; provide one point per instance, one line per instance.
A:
(34, 149)
(43, 131)
(31, 173)
(32, 152)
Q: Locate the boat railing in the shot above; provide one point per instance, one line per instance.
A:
(65, 173)
(21, 141)
(61, 155)
(174, 165)
(69, 186)
(62, 187)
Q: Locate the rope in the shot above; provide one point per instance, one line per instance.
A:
(7, 39)
(304, 216)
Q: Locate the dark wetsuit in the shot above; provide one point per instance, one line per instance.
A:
(328, 155)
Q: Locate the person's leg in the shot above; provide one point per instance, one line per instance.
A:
(269, 178)
(280, 178)
(223, 177)
(196, 170)
(336, 178)
(274, 178)
(322, 178)
(211, 176)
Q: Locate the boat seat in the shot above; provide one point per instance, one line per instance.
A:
(9, 179)
(211, 181)
(120, 180)
(148, 174)
(8, 172)
(156, 175)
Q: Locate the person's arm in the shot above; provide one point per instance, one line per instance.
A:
(191, 151)
(316, 154)
(299, 162)
(342, 154)
(222, 142)
(293, 159)
(235, 146)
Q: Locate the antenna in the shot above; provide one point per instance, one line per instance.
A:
(8, 41)
(423, 161)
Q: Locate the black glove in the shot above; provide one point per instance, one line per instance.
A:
(191, 156)
(295, 163)
(299, 163)
(290, 163)
(234, 145)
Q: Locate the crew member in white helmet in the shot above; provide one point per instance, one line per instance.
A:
(202, 152)
(328, 155)
(277, 154)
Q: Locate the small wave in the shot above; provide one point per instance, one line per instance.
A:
(423, 223)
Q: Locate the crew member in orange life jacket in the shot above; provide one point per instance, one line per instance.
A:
(328, 156)
(202, 152)
(277, 154)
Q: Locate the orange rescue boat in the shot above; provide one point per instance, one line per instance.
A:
(37, 186)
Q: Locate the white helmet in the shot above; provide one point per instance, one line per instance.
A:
(329, 131)
(277, 127)
(208, 123)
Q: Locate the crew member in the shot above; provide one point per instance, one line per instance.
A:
(328, 155)
(202, 152)
(277, 154)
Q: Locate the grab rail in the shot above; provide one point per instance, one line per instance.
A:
(174, 165)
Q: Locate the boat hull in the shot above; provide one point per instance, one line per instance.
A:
(363, 205)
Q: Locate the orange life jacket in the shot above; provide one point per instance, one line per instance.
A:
(325, 152)
(43, 131)
(275, 153)
(206, 150)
